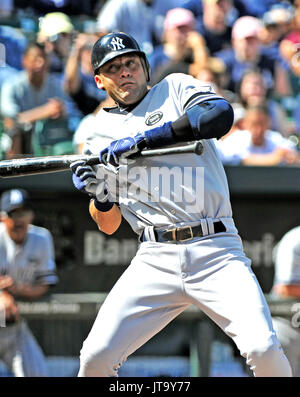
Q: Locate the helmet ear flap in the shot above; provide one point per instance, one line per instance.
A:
(146, 67)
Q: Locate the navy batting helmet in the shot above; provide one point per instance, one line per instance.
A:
(113, 45)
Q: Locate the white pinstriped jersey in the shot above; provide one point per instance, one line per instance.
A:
(31, 263)
(170, 189)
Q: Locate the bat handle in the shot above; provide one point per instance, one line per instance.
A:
(195, 147)
(93, 160)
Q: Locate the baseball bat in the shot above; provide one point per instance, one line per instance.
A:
(46, 164)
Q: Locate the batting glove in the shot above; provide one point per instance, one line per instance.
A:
(121, 149)
(85, 180)
(125, 147)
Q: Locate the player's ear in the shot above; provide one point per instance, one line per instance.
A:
(99, 82)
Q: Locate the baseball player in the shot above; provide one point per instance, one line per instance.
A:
(190, 251)
(287, 285)
(27, 268)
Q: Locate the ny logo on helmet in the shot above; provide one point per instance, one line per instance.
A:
(117, 43)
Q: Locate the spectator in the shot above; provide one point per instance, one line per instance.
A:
(32, 95)
(237, 9)
(12, 45)
(214, 26)
(289, 49)
(257, 8)
(181, 43)
(56, 34)
(27, 269)
(256, 144)
(79, 77)
(286, 285)
(247, 53)
(252, 90)
(215, 72)
(69, 7)
(142, 19)
(276, 23)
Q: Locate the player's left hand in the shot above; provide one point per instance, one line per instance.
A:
(85, 179)
(121, 149)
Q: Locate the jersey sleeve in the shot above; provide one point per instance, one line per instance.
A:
(191, 91)
(98, 137)
(45, 273)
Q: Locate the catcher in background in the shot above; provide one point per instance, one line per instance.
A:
(27, 269)
(190, 251)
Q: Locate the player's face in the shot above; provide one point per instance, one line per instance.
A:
(123, 78)
(17, 223)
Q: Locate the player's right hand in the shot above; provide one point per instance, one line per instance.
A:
(85, 180)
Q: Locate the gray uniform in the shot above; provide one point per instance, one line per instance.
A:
(287, 272)
(31, 263)
(165, 278)
(142, 205)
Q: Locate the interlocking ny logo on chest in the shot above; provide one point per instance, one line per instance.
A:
(154, 118)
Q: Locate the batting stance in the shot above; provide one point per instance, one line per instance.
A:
(190, 251)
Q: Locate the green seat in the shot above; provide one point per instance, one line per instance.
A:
(63, 148)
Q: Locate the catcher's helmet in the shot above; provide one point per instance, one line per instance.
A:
(113, 45)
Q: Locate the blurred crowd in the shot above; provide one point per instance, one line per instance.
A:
(248, 50)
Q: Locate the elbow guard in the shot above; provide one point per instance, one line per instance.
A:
(210, 119)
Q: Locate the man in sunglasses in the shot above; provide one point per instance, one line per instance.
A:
(27, 269)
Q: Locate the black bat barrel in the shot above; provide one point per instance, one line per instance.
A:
(36, 165)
